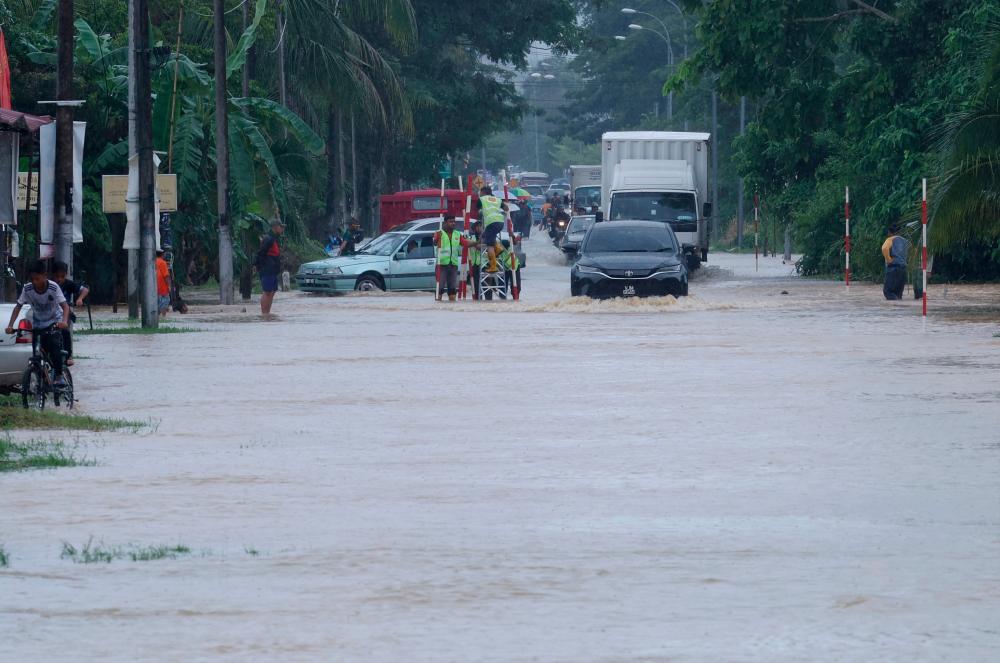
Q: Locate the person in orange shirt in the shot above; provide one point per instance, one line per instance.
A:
(163, 285)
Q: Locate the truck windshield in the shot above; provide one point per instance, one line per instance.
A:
(585, 196)
(652, 206)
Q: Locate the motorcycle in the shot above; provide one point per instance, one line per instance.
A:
(557, 229)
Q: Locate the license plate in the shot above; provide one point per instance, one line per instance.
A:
(308, 281)
(628, 291)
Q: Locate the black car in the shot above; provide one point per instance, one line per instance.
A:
(629, 259)
(575, 232)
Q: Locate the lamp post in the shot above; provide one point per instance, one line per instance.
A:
(665, 36)
(539, 77)
(635, 12)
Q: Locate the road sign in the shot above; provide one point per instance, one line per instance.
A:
(444, 169)
(479, 183)
(114, 189)
(22, 190)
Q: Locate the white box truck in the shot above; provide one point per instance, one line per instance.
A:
(660, 176)
(585, 186)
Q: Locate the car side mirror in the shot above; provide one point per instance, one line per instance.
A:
(706, 210)
(598, 217)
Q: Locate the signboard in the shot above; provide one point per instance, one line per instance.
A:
(444, 169)
(114, 190)
(22, 191)
(479, 182)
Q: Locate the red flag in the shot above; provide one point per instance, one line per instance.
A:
(4, 74)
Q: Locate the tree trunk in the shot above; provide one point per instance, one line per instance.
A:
(788, 243)
(354, 170)
(245, 87)
(330, 200)
(341, 168)
(222, 158)
(282, 82)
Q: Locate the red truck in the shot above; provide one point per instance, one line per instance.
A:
(398, 208)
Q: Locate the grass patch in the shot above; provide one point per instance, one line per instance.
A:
(151, 553)
(253, 552)
(94, 553)
(14, 416)
(4, 558)
(113, 331)
(34, 454)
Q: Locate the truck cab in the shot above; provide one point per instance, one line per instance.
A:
(659, 190)
(660, 176)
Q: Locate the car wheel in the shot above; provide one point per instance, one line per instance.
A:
(684, 289)
(369, 283)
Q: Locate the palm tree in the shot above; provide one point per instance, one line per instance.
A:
(965, 199)
(336, 71)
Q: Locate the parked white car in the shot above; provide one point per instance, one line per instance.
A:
(14, 352)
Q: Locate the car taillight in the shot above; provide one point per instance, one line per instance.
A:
(25, 328)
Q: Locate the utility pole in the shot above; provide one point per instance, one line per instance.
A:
(739, 202)
(132, 271)
(222, 157)
(63, 203)
(147, 178)
(715, 164)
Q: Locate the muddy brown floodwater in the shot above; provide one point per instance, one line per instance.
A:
(744, 475)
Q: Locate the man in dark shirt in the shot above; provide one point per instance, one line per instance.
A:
(74, 292)
(269, 265)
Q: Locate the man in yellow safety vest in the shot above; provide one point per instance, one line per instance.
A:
(449, 243)
(493, 213)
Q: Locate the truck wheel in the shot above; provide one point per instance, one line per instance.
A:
(369, 283)
(694, 262)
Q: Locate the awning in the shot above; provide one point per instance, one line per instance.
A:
(11, 120)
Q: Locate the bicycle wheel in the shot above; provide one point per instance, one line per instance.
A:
(33, 388)
(64, 395)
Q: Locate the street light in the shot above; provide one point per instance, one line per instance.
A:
(665, 36)
(538, 76)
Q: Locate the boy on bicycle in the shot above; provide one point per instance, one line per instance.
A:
(48, 311)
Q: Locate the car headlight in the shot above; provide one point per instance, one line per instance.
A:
(670, 269)
(587, 269)
(333, 270)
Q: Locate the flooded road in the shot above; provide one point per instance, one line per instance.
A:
(744, 475)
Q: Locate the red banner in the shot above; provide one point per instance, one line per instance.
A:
(4, 74)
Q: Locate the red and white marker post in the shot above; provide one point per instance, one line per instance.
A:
(463, 290)
(847, 237)
(756, 234)
(515, 287)
(923, 248)
(437, 250)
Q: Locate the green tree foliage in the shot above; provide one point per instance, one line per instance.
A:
(422, 79)
(847, 94)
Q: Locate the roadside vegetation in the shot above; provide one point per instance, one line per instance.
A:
(94, 553)
(37, 453)
(4, 558)
(104, 330)
(13, 416)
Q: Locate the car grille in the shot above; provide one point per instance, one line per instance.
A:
(637, 288)
(627, 273)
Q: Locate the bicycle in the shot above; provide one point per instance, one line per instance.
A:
(39, 377)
